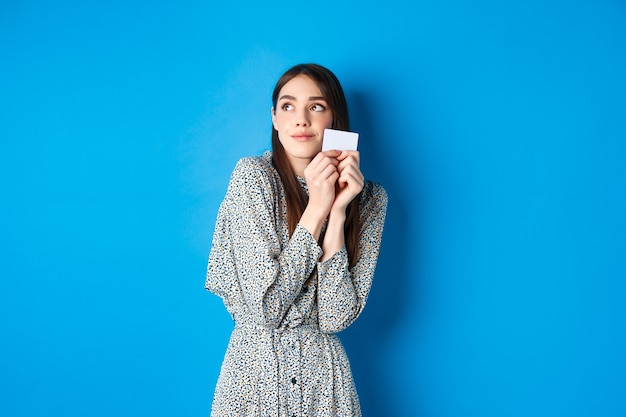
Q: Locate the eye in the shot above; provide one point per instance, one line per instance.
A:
(287, 107)
(318, 107)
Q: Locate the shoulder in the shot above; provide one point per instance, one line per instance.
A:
(254, 169)
(254, 174)
(254, 165)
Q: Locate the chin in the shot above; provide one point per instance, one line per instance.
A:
(304, 151)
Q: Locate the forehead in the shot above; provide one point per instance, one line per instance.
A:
(301, 86)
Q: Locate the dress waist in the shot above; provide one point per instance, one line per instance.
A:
(308, 327)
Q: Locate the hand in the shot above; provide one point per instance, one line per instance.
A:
(321, 176)
(350, 181)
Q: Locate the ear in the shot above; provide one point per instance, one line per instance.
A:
(274, 118)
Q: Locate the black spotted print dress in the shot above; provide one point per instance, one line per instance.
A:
(284, 357)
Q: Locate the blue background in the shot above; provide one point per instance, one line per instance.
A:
(498, 129)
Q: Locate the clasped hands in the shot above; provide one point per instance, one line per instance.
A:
(333, 179)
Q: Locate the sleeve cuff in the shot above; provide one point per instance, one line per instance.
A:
(336, 263)
(303, 235)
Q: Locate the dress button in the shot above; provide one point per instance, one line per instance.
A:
(305, 289)
(293, 380)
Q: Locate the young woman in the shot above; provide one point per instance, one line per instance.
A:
(295, 246)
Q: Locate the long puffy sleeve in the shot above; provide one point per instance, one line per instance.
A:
(342, 292)
(246, 259)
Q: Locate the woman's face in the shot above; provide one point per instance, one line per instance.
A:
(300, 117)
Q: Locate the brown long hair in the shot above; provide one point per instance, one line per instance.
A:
(295, 196)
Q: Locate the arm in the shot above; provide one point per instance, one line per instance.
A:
(248, 249)
(349, 184)
(342, 293)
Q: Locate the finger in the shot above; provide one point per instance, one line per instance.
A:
(346, 154)
(329, 172)
(347, 177)
(348, 160)
(349, 167)
(319, 164)
(316, 161)
(352, 177)
(325, 159)
(333, 153)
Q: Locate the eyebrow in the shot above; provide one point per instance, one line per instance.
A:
(312, 98)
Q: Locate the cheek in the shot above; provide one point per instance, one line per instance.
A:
(327, 122)
(278, 121)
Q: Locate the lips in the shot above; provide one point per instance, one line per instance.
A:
(302, 136)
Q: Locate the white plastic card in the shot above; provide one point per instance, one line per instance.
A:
(339, 140)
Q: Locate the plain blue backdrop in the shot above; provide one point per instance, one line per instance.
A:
(498, 129)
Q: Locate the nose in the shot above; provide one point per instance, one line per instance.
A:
(302, 119)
